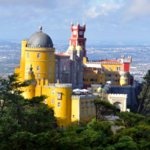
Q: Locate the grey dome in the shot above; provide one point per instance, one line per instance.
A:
(40, 39)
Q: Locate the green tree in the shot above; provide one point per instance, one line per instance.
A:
(144, 100)
(21, 119)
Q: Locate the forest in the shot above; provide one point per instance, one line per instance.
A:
(29, 124)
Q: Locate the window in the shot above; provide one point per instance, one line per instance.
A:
(83, 104)
(27, 67)
(30, 90)
(92, 104)
(38, 55)
(91, 111)
(118, 69)
(74, 32)
(49, 75)
(49, 68)
(53, 92)
(27, 55)
(85, 79)
(109, 68)
(58, 104)
(82, 113)
(80, 32)
(45, 101)
(38, 68)
(88, 104)
(38, 75)
(94, 80)
(27, 75)
(87, 112)
(59, 96)
(50, 55)
(64, 68)
(52, 101)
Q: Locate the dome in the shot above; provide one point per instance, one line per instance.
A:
(99, 89)
(40, 39)
(79, 47)
(72, 48)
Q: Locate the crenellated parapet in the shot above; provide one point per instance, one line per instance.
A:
(85, 96)
(118, 95)
(39, 49)
(60, 85)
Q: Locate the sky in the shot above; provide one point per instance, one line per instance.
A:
(107, 21)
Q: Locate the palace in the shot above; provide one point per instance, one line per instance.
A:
(57, 75)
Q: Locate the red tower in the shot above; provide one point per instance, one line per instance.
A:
(78, 36)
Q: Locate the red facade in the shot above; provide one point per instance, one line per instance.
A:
(78, 36)
(126, 67)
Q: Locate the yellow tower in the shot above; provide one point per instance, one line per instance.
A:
(62, 106)
(123, 78)
(39, 52)
(29, 91)
(21, 70)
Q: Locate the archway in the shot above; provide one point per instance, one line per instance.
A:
(118, 105)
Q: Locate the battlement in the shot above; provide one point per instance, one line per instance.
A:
(59, 85)
(118, 95)
(38, 48)
(78, 27)
(45, 83)
(85, 96)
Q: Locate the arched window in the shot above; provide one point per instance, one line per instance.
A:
(82, 113)
(92, 104)
(88, 104)
(49, 75)
(58, 104)
(38, 55)
(87, 112)
(38, 75)
(50, 68)
(83, 104)
(27, 67)
(50, 55)
(52, 101)
(38, 68)
(27, 55)
(53, 92)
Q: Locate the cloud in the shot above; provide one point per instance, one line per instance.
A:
(102, 9)
(137, 9)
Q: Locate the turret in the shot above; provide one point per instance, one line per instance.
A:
(31, 74)
(30, 90)
(78, 37)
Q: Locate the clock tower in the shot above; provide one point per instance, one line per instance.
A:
(77, 37)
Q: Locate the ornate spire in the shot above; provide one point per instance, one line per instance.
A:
(31, 68)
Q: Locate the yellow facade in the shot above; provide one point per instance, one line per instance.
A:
(107, 72)
(42, 58)
(83, 107)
